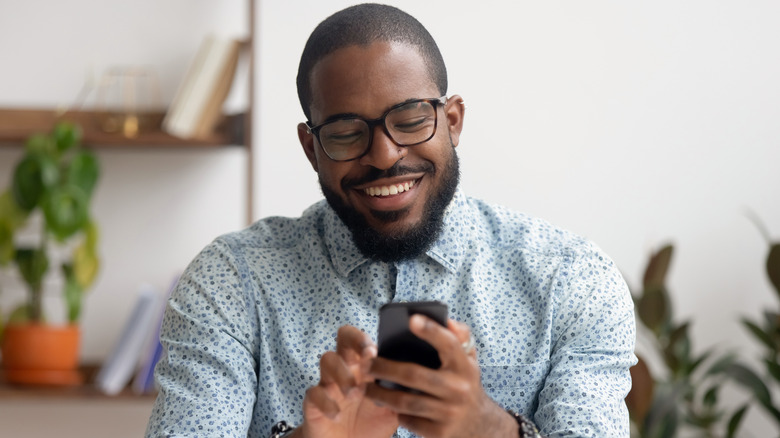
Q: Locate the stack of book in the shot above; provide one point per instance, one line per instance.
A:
(196, 109)
(138, 349)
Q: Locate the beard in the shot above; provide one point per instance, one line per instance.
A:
(401, 244)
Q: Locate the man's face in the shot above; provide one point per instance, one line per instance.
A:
(365, 81)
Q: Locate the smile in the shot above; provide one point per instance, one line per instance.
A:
(389, 190)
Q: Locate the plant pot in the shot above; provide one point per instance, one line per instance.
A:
(39, 354)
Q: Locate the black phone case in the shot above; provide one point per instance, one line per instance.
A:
(396, 342)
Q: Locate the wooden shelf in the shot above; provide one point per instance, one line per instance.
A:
(16, 125)
(85, 391)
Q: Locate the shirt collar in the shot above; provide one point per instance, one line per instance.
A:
(448, 250)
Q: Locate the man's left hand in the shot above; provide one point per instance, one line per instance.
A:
(453, 403)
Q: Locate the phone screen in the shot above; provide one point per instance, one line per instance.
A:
(396, 342)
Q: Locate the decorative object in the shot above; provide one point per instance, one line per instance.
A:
(127, 99)
(682, 393)
(767, 332)
(51, 190)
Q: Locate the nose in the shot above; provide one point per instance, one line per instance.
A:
(383, 153)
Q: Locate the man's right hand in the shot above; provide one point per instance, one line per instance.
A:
(336, 407)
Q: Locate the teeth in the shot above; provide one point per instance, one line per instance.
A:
(389, 190)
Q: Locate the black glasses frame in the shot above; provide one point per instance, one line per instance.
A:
(373, 123)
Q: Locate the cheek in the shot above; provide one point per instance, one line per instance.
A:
(331, 173)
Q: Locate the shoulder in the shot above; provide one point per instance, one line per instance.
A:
(512, 230)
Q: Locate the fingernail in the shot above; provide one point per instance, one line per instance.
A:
(369, 351)
(417, 322)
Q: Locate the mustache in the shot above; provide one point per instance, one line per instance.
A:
(374, 174)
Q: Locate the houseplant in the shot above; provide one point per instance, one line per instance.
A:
(683, 393)
(50, 190)
(766, 331)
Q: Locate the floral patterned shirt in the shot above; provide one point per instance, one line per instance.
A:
(249, 319)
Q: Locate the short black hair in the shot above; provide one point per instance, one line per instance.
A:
(362, 25)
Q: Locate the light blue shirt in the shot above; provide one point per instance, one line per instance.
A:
(253, 313)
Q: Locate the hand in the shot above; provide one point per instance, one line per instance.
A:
(336, 407)
(453, 402)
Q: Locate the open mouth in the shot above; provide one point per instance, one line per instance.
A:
(391, 189)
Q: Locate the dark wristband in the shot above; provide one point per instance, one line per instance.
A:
(527, 428)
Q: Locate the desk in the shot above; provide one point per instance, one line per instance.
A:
(78, 412)
(64, 417)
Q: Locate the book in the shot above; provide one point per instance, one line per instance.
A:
(121, 363)
(143, 382)
(196, 108)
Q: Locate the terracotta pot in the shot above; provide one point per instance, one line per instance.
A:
(38, 354)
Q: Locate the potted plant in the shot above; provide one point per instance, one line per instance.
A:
(51, 191)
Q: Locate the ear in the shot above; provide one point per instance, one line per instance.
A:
(455, 110)
(307, 142)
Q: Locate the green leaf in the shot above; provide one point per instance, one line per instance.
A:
(73, 293)
(773, 266)
(759, 334)
(698, 361)
(66, 211)
(10, 211)
(771, 319)
(83, 171)
(657, 268)
(663, 419)
(66, 136)
(7, 249)
(735, 421)
(721, 365)
(91, 235)
(711, 396)
(747, 378)
(654, 308)
(33, 175)
(774, 369)
(40, 144)
(86, 264)
(679, 343)
(32, 264)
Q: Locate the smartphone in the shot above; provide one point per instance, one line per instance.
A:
(395, 340)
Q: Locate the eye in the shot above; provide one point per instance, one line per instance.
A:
(342, 137)
(343, 132)
(412, 124)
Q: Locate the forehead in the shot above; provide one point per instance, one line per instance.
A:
(366, 80)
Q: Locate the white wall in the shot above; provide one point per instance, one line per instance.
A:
(631, 123)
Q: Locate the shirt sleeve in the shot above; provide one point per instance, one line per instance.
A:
(593, 339)
(208, 374)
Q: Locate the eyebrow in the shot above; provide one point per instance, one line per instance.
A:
(358, 116)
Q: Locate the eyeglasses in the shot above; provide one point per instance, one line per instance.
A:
(406, 124)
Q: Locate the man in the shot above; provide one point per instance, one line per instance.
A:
(248, 329)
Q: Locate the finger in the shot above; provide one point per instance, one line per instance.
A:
(334, 370)
(420, 426)
(353, 345)
(463, 333)
(442, 339)
(318, 401)
(407, 403)
(434, 383)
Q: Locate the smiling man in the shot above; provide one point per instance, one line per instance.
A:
(390, 196)
(275, 326)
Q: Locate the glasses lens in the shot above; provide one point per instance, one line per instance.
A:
(344, 139)
(412, 123)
